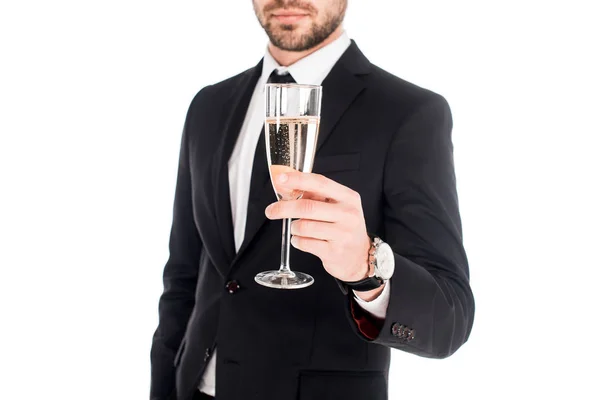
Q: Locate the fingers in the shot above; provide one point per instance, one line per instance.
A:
(316, 197)
(315, 229)
(317, 185)
(319, 248)
(307, 209)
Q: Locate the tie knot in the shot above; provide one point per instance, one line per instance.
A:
(285, 77)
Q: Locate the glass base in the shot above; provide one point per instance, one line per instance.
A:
(284, 280)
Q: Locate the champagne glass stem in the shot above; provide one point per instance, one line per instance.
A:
(285, 247)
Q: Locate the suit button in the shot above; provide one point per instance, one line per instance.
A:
(397, 329)
(232, 287)
(404, 333)
(206, 355)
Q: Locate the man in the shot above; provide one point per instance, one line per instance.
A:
(379, 220)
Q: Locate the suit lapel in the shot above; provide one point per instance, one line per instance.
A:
(236, 112)
(340, 88)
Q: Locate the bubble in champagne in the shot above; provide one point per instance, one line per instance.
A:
(292, 144)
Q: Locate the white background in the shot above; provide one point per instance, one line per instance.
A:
(92, 101)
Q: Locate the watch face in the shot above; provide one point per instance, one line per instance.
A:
(385, 261)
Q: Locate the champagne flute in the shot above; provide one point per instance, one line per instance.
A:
(293, 113)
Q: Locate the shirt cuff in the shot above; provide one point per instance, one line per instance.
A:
(378, 306)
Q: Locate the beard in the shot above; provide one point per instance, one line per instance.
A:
(286, 37)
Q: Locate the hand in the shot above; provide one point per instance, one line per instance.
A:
(331, 223)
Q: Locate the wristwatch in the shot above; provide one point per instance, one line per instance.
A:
(381, 257)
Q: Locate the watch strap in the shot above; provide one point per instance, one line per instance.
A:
(365, 285)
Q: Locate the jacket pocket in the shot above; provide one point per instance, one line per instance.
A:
(347, 385)
(337, 163)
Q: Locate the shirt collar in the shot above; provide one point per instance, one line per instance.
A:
(312, 69)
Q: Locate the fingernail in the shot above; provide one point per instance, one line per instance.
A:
(268, 210)
(283, 178)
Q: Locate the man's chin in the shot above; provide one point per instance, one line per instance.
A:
(288, 40)
(289, 45)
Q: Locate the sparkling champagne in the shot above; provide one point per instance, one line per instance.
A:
(292, 116)
(291, 145)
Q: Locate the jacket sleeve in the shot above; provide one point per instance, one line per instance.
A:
(431, 307)
(179, 279)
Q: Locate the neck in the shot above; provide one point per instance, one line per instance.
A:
(286, 58)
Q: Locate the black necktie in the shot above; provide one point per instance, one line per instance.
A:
(260, 170)
(280, 78)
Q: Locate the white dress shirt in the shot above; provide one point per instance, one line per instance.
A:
(311, 69)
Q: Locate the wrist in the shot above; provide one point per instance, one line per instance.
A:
(363, 272)
(380, 268)
(366, 267)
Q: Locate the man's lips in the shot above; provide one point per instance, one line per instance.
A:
(289, 16)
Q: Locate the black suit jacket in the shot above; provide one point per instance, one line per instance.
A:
(385, 138)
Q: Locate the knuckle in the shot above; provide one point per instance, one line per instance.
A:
(307, 206)
(355, 212)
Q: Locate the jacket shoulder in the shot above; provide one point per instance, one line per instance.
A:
(221, 91)
(399, 92)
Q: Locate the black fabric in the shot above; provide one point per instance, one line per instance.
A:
(337, 385)
(381, 136)
(285, 77)
(202, 396)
